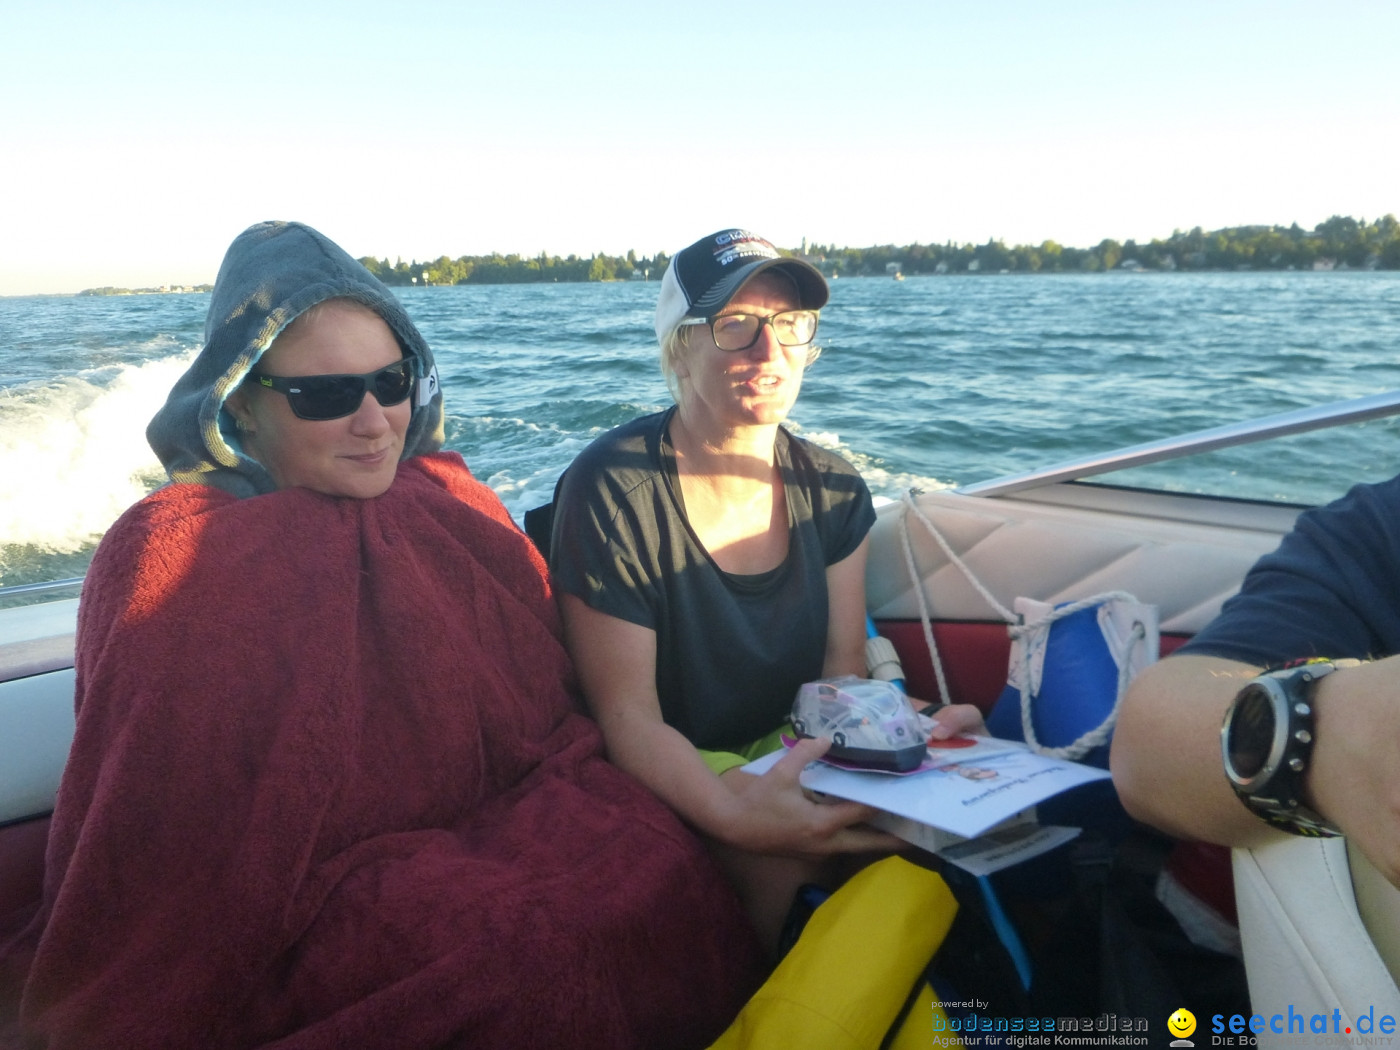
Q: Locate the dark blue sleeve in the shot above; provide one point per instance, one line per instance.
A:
(1331, 589)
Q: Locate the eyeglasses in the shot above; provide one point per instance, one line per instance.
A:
(334, 396)
(741, 331)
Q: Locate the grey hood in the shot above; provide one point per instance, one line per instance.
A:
(272, 272)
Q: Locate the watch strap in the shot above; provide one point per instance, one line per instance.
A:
(1281, 808)
(1299, 820)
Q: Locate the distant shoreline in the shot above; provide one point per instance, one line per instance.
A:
(165, 289)
(1340, 243)
(205, 289)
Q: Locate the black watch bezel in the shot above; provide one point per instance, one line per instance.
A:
(1273, 790)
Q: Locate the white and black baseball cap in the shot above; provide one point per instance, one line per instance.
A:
(704, 277)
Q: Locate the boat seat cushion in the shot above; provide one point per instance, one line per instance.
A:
(1055, 553)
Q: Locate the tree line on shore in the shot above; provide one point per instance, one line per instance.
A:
(1340, 242)
(517, 269)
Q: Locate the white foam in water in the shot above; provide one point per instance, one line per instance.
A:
(884, 486)
(73, 453)
(525, 467)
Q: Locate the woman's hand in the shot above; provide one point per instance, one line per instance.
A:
(616, 662)
(956, 720)
(772, 813)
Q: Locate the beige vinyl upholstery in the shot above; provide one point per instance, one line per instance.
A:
(1060, 552)
(1307, 947)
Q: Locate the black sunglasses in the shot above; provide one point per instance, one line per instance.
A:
(334, 396)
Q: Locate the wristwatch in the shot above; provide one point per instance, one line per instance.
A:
(1267, 741)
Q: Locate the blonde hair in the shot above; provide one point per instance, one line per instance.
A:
(671, 349)
(320, 306)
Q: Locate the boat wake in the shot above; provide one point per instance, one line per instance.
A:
(74, 455)
(885, 485)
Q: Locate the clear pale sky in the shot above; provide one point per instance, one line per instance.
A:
(137, 139)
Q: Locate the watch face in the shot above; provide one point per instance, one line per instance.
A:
(1250, 740)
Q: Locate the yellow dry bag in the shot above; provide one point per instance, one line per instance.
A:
(848, 982)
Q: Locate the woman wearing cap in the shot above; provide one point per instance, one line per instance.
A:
(330, 786)
(708, 563)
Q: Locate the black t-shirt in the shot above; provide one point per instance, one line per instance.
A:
(1331, 589)
(731, 650)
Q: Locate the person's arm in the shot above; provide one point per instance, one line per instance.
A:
(1165, 757)
(845, 642)
(845, 623)
(1355, 777)
(1167, 765)
(616, 662)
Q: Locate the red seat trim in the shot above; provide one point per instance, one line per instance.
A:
(974, 657)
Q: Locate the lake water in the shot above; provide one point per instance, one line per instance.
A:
(927, 382)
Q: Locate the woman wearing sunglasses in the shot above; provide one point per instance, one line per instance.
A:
(709, 563)
(330, 786)
(362, 420)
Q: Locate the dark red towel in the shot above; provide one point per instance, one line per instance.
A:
(330, 789)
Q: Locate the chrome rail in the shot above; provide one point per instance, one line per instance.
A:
(39, 588)
(1316, 417)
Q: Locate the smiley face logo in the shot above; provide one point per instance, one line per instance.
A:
(1182, 1023)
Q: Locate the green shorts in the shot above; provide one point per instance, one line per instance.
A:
(723, 761)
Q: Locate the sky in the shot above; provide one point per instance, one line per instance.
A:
(138, 139)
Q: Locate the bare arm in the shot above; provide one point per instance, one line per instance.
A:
(1355, 778)
(1167, 766)
(1166, 751)
(845, 623)
(616, 662)
(845, 640)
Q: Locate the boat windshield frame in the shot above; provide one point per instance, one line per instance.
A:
(1298, 421)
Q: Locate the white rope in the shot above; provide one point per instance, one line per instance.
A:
(943, 694)
(1021, 632)
(1085, 742)
(909, 505)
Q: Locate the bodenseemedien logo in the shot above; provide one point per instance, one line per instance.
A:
(1181, 1024)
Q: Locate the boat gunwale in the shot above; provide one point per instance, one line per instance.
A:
(1282, 424)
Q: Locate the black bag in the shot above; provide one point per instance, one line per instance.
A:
(1099, 940)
